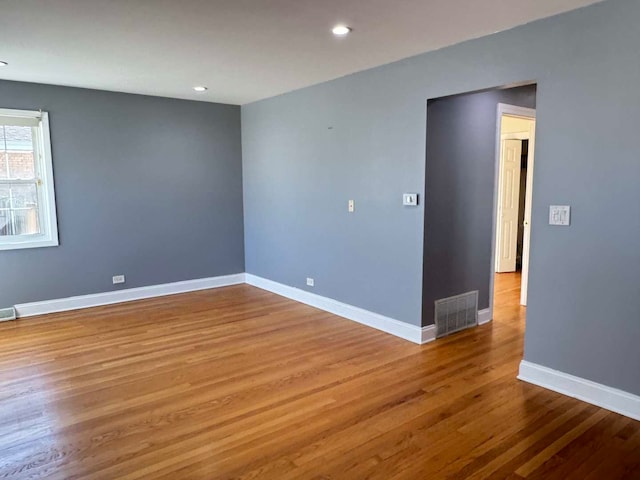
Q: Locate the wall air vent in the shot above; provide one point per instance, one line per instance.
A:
(7, 314)
(456, 313)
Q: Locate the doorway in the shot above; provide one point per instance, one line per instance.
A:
(515, 144)
(460, 194)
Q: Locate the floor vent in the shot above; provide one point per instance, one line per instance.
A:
(7, 314)
(456, 313)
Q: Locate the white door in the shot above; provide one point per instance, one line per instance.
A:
(508, 205)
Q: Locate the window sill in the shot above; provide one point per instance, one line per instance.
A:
(24, 244)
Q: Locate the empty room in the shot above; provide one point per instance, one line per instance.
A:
(319, 240)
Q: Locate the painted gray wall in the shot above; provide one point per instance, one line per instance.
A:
(147, 187)
(584, 293)
(459, 187)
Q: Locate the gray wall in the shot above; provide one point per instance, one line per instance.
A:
(460, 176)
(146, 187)
(584, 293)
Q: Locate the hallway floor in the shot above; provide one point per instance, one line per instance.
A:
(507, 296)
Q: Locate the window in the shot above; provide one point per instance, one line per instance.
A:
(27, 200)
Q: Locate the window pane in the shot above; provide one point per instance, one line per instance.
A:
(21, 166)
(4, 164)
(18, 210)
(24, 196)
(16, 153)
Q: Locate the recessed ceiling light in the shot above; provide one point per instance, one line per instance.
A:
(3, 64)
(341, 30)
(200, 88)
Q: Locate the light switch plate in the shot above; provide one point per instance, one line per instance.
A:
(352, 206)
(410, 199)
(560, 215)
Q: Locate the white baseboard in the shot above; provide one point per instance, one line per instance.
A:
(413, 333)
(428, 334)
(609, 398)
(484, 316)
(127, 295)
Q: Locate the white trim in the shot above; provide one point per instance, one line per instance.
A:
(51, 217)
(130, 294)
(484, 316)
(610, 398)
(428, 334)
(46, 191)
(516, 136)
(504, 109)
(516, 111)
(10, 112)
(413, 333)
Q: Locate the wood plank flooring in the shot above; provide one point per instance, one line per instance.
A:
(238, 383)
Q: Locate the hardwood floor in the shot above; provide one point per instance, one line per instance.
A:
(240, 383)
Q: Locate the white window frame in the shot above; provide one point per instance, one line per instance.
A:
(48, 236)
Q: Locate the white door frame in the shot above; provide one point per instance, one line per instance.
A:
(515, 111)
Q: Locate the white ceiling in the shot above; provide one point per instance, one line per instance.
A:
(243, 50)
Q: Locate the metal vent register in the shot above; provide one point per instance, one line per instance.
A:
(7, 314)
(456, 313)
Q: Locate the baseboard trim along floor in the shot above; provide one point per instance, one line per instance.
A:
(413, 333)
(603, 396)
(126, 295)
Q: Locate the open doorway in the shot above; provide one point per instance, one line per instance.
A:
(461, 175)
(515, 144)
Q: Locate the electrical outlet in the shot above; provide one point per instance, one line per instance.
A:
(352, 206)
(310, 282)
(118, 279)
